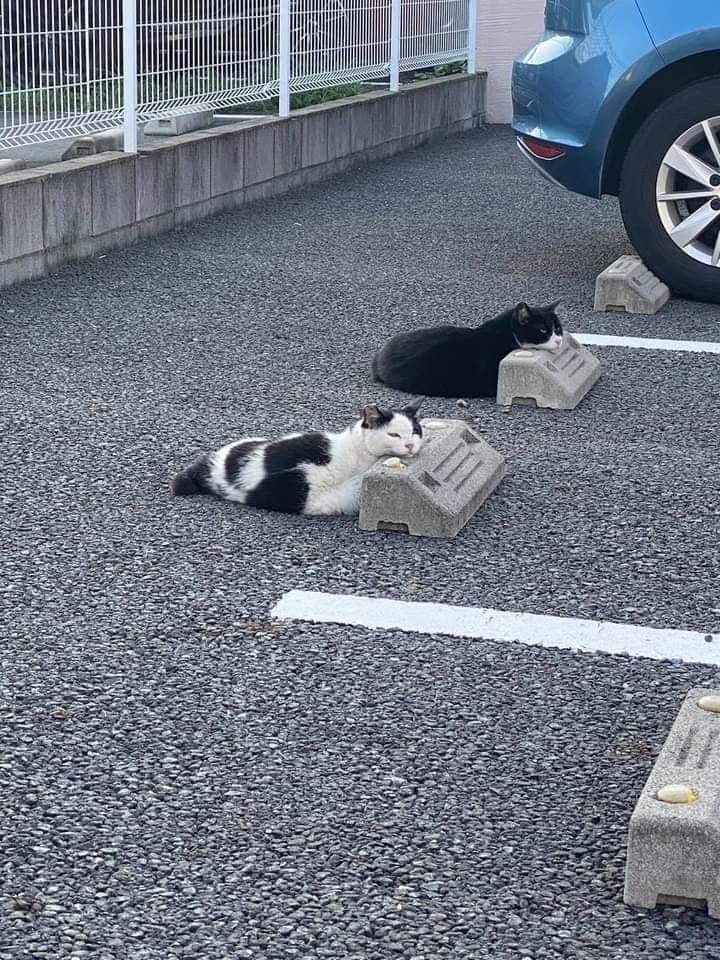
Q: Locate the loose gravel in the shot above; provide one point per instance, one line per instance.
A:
(182, 778)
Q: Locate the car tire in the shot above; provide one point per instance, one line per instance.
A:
(685, 275)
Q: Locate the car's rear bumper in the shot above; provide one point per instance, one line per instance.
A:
(544, 167)
(570, 88)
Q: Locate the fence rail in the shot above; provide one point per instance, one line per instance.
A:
(72, 67)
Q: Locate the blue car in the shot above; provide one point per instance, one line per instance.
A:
(622, 97)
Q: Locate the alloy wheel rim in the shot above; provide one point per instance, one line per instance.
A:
(688, 192)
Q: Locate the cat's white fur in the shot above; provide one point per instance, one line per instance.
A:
(554, 343)
(252, 474)
(333, 487)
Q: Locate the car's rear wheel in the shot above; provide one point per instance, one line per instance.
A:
(670, 191)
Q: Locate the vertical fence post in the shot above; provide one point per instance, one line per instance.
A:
(86, 69)
(284, 57)
(395, 26)
(472, 36)
(129, 34)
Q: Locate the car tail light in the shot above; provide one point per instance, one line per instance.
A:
(542, 150)
(565, 16)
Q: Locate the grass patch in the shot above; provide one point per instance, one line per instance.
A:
(299, 100)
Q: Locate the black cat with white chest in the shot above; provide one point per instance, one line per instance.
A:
(450, 361)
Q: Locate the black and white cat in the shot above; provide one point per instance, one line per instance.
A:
(311, 473)
(449, 361)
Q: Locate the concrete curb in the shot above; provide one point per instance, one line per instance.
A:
(82, 207)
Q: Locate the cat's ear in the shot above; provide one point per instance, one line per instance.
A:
(522, 312)
(412, 408)
(373, 416)
(552, 307)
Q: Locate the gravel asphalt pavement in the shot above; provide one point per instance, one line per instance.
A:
(182, 777)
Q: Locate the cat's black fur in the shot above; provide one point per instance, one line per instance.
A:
(449, 361)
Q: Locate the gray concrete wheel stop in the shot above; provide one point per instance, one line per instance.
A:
(555, 379)
(435, 493)
(673, 854)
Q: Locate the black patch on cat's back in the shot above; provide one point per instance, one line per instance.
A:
(238, 456)
(290, 452)
(283, 492)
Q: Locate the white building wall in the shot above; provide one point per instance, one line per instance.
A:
(505, 28)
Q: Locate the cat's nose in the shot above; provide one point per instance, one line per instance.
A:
(409, 447)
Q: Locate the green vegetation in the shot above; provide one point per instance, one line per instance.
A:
(444, 70)
(300, 100)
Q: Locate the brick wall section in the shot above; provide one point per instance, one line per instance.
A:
(79, 208)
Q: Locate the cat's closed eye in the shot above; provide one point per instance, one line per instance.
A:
(396, 435)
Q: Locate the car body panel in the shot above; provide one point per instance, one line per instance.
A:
(571, 88)
(679, 34)
(669, 21)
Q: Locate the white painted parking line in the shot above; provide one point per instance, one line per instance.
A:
(480, 623)
(648, 343)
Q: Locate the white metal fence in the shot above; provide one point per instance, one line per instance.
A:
(69, 67)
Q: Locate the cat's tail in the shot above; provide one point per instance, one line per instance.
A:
(192, 481)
